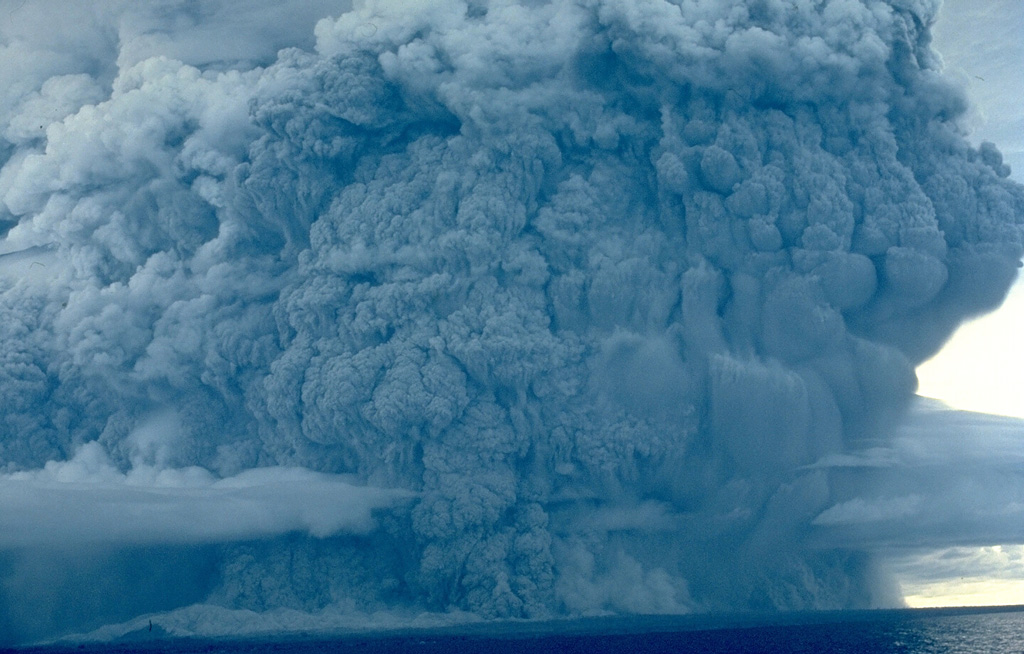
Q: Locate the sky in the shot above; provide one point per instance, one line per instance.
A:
(492, 309)
(982, 367)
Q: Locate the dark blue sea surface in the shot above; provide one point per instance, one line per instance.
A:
(968, 631)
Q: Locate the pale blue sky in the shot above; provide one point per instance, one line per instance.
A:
(982, 368)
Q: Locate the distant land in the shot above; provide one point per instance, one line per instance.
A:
(738, 632)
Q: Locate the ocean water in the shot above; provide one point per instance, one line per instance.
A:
(968, 631)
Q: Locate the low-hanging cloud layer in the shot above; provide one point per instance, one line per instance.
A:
(88, 501)
(516, 309)
(946, 478)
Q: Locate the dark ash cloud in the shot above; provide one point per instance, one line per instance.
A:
(605, 288)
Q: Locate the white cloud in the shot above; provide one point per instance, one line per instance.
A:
(87, 501)
(962, 576)
(860, 510)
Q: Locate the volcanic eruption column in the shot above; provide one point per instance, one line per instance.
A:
(593, 283)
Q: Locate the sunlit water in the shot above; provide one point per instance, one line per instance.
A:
(964, 631)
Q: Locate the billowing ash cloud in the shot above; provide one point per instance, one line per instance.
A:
(586, 298)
